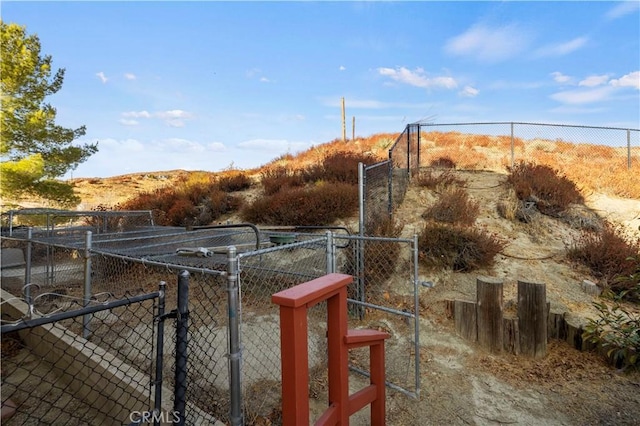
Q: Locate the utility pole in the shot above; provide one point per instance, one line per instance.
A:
(353, 128)
(344, 125)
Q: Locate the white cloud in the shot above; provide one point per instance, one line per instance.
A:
(130, 76)
(136, 114)
(469, 92)
(173, 118)
(629, 80)
(264, 80)
(489, 44)
(621, 9)
(103, 78)
(594, 80)
(583, 96)
(561, 49)
(417, 78)
(126, 122)
(342, 68)
(558, 77)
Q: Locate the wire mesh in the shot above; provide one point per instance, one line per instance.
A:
(388, 298)
(263, 273)
(52, 375)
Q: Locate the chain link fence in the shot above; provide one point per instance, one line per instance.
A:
(536, 142)
(597, 156)
(233, 369)
(51, 374)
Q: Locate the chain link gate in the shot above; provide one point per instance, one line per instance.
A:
(51, 374)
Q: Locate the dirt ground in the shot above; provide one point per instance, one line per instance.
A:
(464, 384)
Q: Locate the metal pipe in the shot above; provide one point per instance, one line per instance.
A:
(27, 267)
(182, 329)
(159, 348)
(231, 225)
(331, 254)
(86, 319)
(235, 353)
(416, 312)
(628, 149)
(30, 323)
(512, 147)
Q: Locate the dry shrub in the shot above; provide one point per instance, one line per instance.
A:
(432, 179)
(551, 191)
(453, 206)
(235, 182)
(608, 254)
(195, 202)
(462, 249)
(339, 167)
(313, 206)
(443, 162)
(278, 178)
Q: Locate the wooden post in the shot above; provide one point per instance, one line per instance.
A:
(353, 128)
(489, 312)
(465, 317)
(532, 318)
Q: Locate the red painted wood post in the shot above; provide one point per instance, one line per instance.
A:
(295, 367)
(338, 355)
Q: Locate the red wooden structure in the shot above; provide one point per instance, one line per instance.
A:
(294, 303)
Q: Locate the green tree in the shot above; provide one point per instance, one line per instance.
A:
(35, 151)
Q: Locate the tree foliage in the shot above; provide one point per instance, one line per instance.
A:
(34, 149)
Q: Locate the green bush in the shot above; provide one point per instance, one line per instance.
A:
(321, 204)
(616, 330)
(461, 249)
(551, 191)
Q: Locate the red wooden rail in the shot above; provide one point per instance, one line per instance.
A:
(294, 303)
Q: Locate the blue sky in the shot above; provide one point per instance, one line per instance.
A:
(214, 85)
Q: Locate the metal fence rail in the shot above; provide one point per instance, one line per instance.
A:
(52, 375)
(491, 146)
(233, 369)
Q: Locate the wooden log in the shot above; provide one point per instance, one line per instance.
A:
(575, 328)
(511, 338)
(465, 318)
(556, 326)
(489, 311)
(449, 308)
(532, 318)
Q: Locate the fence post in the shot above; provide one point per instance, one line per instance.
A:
(235, 355)
(86, 319)
(532, 318)
(159, 349)
(628, 149)
(416, 313)
(27, 267)
(182, 328)
(512, 147)
(489, 313)
(331, 253)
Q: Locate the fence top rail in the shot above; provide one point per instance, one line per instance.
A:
(528, 124)
(39, 211)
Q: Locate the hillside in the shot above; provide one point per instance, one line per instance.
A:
(462, 383)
